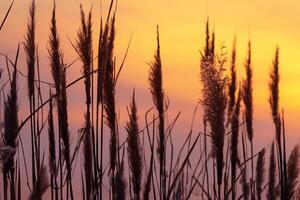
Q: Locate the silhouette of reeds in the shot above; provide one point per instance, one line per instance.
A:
(134, 150)
(233, 82)
(214, 103)
(234, 142)
(155, 79)
(10, 135)
(120, 184)
(41, 185)
(109, 103)
(272, 175)
(248, 103)
(292, 173)
(216, 168)
(30, 49)
(52, 151)
(6, 15)
(84, 48)
(59, 76)
(260, 173)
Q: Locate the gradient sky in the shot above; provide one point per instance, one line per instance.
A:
(182, 23)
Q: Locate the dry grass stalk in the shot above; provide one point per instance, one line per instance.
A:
(247, 95)
(59, 76)
(134, 150)
(9, 138)
(120, 185)
(41, 185)
(102, 60)
(274, 87)
(214, 103)
(293, 173)
(109, 102)
(30, 49)
(260, 173)
(233, 83)
(234, 142)
(272, 175)
(247, 88)
(274, 104)
(52, 149)
(6, 15)
(155, 79)
(84, 48)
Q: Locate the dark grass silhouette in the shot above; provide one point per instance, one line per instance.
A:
(220, 170)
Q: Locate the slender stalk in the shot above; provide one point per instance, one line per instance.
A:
(248, 103)
(30, 54)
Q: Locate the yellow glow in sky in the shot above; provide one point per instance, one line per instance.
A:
(267, 23)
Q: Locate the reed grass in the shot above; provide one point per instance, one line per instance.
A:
(247, 87)
(174, 174)
(52, 152)
(260, 173)
(155, 79)
(59, 77)
(41, 185)
(84, 48)
(134, 150)
(30, 49)
(272, 175)
(214, 104)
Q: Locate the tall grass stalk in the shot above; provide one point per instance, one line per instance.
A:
(52, 152)
(41, 185)
(10, 135)
(214, 103)
(59, 76)
(260, 174)
(271, 186)
(248, 103)
(102, 60)
(155, 79)
(134, 150)
(84, 48)
(30, 46)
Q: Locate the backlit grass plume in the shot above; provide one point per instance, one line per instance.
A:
(9, 138)
(84, 48)
(247, 94)
(109, 97)
(214, 103)
(274, 104)
(30, 46)
(292, 173)
(134, 150)
(274, 87)
(260, 173)
(110, 104)
(120, 185)
(102, 60)
(11, 122)
(233, 82)
(59, 76)
(30, 50)
(156, 88)
(52, 149)
(234, 142)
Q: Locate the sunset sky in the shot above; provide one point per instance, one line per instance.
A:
(182, 26)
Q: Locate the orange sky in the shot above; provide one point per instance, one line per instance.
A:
(267, 23)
